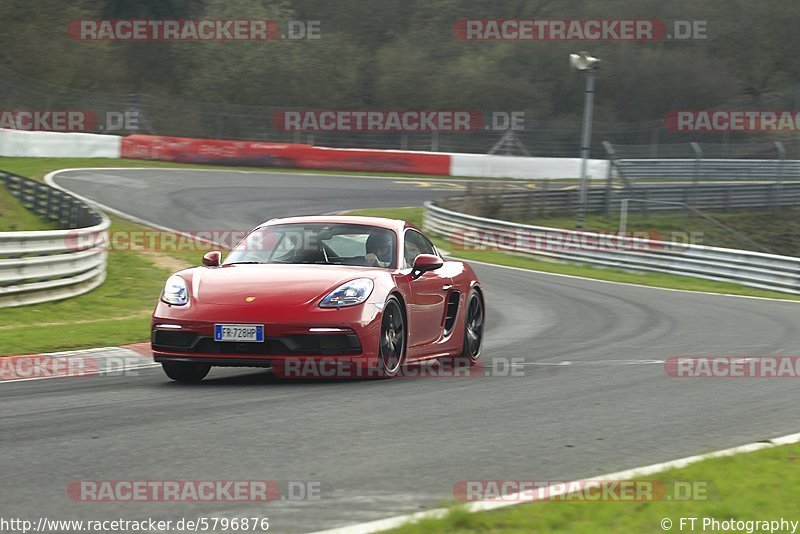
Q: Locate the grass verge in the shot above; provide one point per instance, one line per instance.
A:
(615, 275)
(751, 486)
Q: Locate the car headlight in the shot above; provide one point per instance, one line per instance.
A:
(175, 291)
(349, 294)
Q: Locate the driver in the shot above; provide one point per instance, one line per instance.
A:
(379, 250)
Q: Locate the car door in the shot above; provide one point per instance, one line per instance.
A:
(428, 295)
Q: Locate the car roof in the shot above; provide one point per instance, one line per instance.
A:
(397, 225)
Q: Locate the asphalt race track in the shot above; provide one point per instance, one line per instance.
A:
(593, 396)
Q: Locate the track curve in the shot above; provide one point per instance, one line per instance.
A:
(593, 398)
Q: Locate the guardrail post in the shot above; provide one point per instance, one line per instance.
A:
(609, 177)
(528, 203)
(10, 184)
(623, 216)
(62, 203)
(543, 194)
(49, 201)
(434, 141)
(779, 184)
(35, 199)
(30, 197)
(698, 159)
(609, 189)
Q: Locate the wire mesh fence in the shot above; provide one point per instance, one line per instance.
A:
(158, 115)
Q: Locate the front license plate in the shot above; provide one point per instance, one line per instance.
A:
(240, 333)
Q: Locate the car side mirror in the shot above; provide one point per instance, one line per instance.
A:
(212, 259)
(424, 263)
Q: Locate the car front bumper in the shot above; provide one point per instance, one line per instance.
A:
(309, 338)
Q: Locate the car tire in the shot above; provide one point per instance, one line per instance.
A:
(474, 318)
(186, 372)
(392, 339)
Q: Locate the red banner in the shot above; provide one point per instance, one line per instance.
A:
(257, 154)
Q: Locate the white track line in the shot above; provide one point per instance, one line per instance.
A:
(517, 498)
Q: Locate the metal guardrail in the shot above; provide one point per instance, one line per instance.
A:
(703, 161)
(754, 269)
(41, 266)
(507, 201)
(709, 169)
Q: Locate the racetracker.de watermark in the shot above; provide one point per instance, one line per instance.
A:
(40, 366)
(582, 490)
(128, 30)
(741, 120)
(150, 525)
(508, 240)
(733, 366)
(107, 491)
(157, 240)
(579, 30)
(68, 120)
(555, 241)
(396, 120)
(330, 368)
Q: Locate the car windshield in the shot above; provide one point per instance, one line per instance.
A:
(318, 243)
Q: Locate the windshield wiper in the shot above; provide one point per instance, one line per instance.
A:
(244, 263)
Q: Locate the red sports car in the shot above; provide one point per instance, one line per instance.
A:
(320, 296)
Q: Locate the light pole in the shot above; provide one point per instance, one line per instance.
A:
(583, 62)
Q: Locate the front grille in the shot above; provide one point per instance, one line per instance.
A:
(169, 338)
(293, 345)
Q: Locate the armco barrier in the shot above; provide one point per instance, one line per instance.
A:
(754, 269)
(50, 265)
(506, 201)
(709, 169)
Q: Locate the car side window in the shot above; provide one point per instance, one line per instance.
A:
(415, 244)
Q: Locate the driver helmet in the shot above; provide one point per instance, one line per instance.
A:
(380, 244)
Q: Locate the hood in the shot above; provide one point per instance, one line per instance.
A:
(278, 285)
